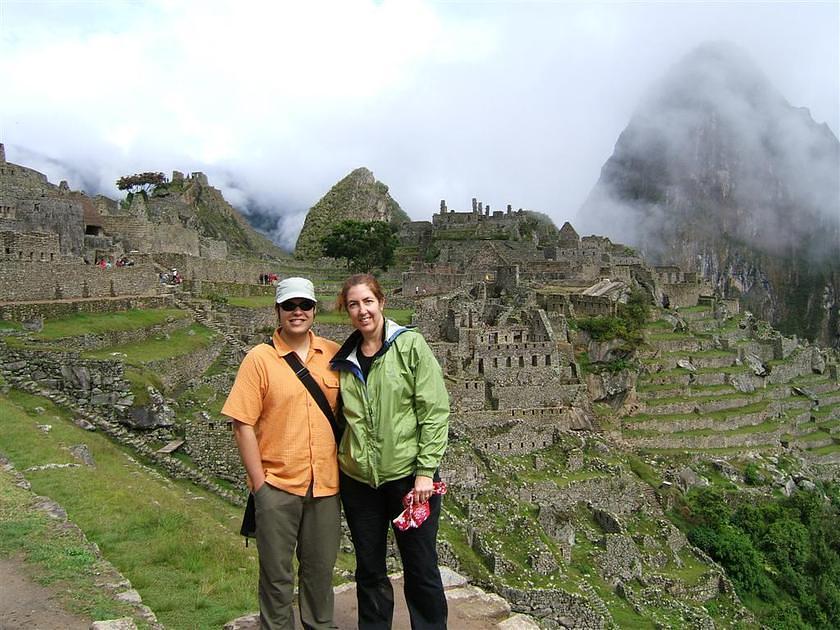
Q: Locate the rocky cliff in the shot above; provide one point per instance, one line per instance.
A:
(194, 203)
(717, 171)
(360, 197)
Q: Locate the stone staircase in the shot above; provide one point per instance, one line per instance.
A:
(597, 604)
(234, 349)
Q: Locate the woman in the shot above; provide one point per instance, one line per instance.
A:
(397, 413)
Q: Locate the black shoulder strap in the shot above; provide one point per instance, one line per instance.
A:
(314, 389)
(317, 393)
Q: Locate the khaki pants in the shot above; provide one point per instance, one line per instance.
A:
(312, 525)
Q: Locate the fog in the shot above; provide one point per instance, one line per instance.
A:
(716, 147)
(509, 102)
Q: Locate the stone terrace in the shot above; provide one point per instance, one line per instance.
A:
(722, 383)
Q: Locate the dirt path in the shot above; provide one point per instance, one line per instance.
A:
(27, 605)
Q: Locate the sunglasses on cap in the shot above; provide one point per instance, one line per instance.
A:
(304, 305)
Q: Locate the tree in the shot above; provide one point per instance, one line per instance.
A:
(365, 245)
(141, 182)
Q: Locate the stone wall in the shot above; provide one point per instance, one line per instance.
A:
(684, 295)
(35, 205)
(616, 495)
(138, 233)
(466, 395)
(194, 268)
(30, 281)
(178, 370)
(711, 441)
(55, 310)
(555, 605)
(29, 246)
(117, 337)
(97, 385)
(212, 249)
(431, 282)
(210, 442)
(206, 288)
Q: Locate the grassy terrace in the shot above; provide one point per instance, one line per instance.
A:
(177, 544)
(723, 414)
(689, 389)
(669, 336)
(816, 434)
(699, 400)
(10, 326)
(180, 342)
(764, 427)
(89, 323)
(826, 450)
(61, 559)
(399, 315)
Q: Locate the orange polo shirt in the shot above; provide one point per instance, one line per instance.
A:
(295, 439)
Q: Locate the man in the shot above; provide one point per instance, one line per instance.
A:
(289, 452)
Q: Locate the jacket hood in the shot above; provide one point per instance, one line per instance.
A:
(346, 357)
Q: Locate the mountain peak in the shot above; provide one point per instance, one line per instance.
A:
(358, 196)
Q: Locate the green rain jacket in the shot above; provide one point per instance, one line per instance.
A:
(397, 421)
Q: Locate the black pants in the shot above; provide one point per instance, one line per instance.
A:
(369, 512)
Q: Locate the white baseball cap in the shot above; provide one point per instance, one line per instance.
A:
(294, 288)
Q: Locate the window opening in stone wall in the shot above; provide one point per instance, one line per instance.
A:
(548, 359)
(481, 366)
(495, 362)
(507, 362)
(534, 360)
(521, 361)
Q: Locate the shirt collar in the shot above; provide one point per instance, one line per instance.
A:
(315, 343)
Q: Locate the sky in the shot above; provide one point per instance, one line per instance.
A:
(510, 102)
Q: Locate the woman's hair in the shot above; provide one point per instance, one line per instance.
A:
(354, 280)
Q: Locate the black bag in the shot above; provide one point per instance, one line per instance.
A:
(249, 519)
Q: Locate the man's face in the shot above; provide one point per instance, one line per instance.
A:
(296, 315)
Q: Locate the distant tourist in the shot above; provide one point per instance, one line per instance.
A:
(395, 436)
(289, 452)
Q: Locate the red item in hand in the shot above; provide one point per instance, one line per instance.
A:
(415, 513)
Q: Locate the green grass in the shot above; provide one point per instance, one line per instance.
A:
(825, 450)
(723, 414)
(399, 315)
(177, 544)
(139, 379)
(252, 301)
(643, 471)
(180, 342)
(55, 555)
(90, 323)
(7, 325)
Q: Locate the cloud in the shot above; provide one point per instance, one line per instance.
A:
(515, 103)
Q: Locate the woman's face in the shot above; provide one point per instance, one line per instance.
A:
(365, 309)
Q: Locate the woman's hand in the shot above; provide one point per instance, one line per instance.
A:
(424, 488)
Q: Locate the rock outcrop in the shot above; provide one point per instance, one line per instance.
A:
(360, 197)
